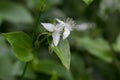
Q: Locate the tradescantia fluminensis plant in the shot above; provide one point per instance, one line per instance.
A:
(25, 46)
(24, 49)
(54, 36)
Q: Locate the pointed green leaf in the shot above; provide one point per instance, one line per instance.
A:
(63, 52)
(21, 44)
(88, 1)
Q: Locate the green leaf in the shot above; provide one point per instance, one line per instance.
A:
(88, 1)
(22, 45)
(51, 67)
(117, 44)
(63, 52)
(97, 47)
(14, 12)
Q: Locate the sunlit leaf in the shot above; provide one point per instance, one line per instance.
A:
(88, 1)
(21, 44)
(63, 52)
(14, 12)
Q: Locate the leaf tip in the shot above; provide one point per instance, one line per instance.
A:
(88, 2)
(67, 66)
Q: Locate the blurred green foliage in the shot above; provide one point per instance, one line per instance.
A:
(95, 45)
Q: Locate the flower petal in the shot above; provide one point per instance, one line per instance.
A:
(48, 26)
(66, 33)
(60, 21)
(59, 28)
(56, 38)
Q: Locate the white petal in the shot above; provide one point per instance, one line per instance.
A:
(68, 26)
(48, 26)
(60, 21)
(59, 28)
(66, 33)
(56, 38)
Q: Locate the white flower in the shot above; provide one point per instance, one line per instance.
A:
(55, 29)
(68, 26)
(58, 28)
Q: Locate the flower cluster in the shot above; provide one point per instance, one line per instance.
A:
(61, 27)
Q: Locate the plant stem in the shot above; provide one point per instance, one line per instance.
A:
(24, 70)
(36, 25)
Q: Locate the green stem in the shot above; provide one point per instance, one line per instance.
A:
(45, 33)
(36, 25)
(43, 39)
(24, 70)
